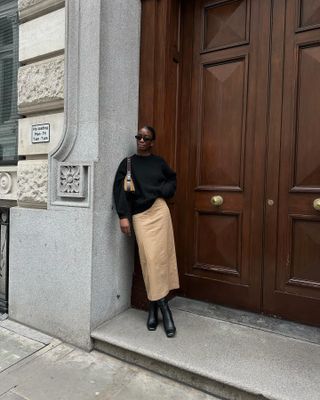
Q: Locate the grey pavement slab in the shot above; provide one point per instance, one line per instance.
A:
(82, 376)
(255, 361)
(14, 348)
(158, 388)
(25, 331)
(62, 372)
(12, 396)
(3, 316)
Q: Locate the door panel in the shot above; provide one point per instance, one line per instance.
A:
(308, 13)
(306, 155)
(225, 24)
(211, 231)
(292, 277)
(224, 87)
(227, 99)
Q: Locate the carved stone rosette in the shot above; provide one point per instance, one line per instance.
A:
(71, 180)
(5, 183)
(8, 183)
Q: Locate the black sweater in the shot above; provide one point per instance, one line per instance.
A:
(152, 178)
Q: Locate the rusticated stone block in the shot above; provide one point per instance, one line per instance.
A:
(42, 36)
(27, 3)
(27, 146)
(41, 85)
(29, 9)
(33, 183)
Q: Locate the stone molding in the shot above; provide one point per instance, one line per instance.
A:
(77, 100)
(8, 183)
(32, 178)
(42, 37)
(29, 9)
(41, 86)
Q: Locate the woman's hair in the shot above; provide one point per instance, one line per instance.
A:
(151, 130)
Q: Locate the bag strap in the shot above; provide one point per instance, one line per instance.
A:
(129, 166)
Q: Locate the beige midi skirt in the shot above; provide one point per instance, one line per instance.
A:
(154, 234)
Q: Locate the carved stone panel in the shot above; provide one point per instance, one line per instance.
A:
(71, 180)
(29, 9)
(8, 183)
(22, 4)
(33, 183)
(41, 85)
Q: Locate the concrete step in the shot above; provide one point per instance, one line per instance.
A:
(226, 359)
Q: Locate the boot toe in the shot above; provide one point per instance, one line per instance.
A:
(151, 327)
(171, 334)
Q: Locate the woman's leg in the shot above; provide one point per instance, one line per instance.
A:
(152, 321)
(168, 323)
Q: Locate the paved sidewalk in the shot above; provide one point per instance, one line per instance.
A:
(34, 366)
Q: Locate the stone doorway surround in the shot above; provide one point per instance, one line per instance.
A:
(70, 268)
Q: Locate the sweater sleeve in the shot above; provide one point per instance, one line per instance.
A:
(168, 188)
(121, 198)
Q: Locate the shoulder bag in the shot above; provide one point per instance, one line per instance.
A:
(128, 182)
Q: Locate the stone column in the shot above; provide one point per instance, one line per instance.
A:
(70, 266)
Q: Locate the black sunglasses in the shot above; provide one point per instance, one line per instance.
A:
(144, 138)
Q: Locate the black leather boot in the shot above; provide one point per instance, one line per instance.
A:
(152, 321)
(168, 323)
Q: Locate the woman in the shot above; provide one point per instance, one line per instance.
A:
(153, 182)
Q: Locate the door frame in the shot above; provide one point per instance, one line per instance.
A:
(162, 75)
(159, 92)
(259, 142)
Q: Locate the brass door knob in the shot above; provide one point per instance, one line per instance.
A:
(316, 204)
(216, 200)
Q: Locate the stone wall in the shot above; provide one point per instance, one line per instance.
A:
(40, 95)
(70, 266)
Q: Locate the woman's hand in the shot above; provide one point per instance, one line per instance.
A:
(125, 226)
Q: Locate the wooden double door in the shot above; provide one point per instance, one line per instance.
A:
(248, 155)
(233, 89)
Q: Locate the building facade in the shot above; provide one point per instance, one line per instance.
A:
(232, 88)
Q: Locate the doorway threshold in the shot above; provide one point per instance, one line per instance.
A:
(215, 351)
(262, 322)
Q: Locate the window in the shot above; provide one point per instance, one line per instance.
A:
(8, 81)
